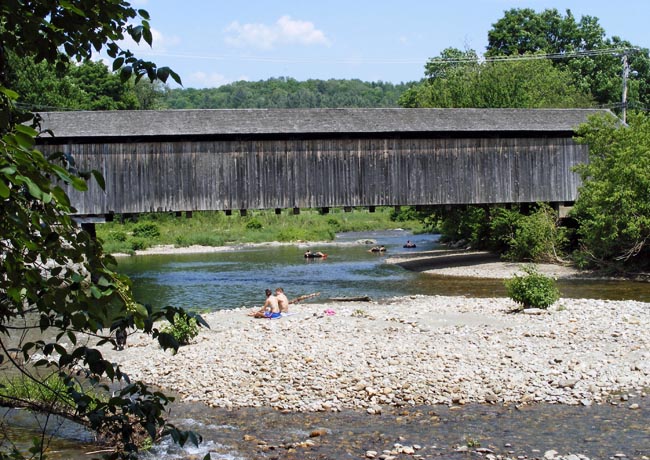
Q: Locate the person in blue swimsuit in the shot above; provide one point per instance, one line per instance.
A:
(270, 309)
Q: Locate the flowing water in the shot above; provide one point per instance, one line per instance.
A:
(238, 278)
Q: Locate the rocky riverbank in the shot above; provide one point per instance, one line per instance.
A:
(408, 351)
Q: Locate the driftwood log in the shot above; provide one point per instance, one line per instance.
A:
(304, 297)
(361, 298)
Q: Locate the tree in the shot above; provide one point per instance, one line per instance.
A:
(450, 59)
(524, 31)
(286, 93)
(494, 84)
(41, 87)
(85, 86)
(103, 90)
(598, 72)
(613, 206)
(56, 279)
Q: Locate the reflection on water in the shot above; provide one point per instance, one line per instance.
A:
(238, 278)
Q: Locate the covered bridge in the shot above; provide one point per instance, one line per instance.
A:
(187, 160)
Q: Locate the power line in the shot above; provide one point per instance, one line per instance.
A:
(530, 57)
(361, 60)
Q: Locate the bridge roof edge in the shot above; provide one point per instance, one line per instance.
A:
(229, 122)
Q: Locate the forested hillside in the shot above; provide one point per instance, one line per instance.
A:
(286, 93)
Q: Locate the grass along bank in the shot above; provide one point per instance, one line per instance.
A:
(210, 228)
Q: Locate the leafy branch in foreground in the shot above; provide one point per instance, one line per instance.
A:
(59, 296)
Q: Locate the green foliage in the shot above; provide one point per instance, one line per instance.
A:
(254, 224)
(518, 84)
(217, 229)
(458, 79)
(532, 289)
(469, 224)
(118, 236)
(183, 328)
(535, 237)
(146, 230)
(523, 236)
(524, 31)
(334, 223)
(408, 214)
(199, 239)
(293, 234)
(613, 207)
(138, 244)
(287, 93)
(57, 280)
(87, 86)
(79, 30)
(51, 390)
(472, 442)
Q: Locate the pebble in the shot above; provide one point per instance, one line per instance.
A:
(473, 350)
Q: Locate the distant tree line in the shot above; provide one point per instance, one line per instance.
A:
(287, 93)
(93, 86)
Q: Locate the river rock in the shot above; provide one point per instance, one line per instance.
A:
(474, 350)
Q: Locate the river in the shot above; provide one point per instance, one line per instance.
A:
(206, 282)
(222, 280)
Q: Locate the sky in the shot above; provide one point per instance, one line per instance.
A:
(212, 43)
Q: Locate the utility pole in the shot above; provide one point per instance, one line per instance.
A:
(626, 74)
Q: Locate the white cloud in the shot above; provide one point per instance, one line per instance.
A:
(209, 80)
(163, 42)
(284, 31)
(160, 42)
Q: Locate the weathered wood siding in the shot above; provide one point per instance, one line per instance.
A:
(266, 174)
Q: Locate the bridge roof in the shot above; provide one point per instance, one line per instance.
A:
(294, 122)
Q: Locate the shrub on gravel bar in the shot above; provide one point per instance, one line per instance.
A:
(532, 289)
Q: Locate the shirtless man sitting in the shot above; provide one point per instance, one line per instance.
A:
(270, 309)
(283, 302)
